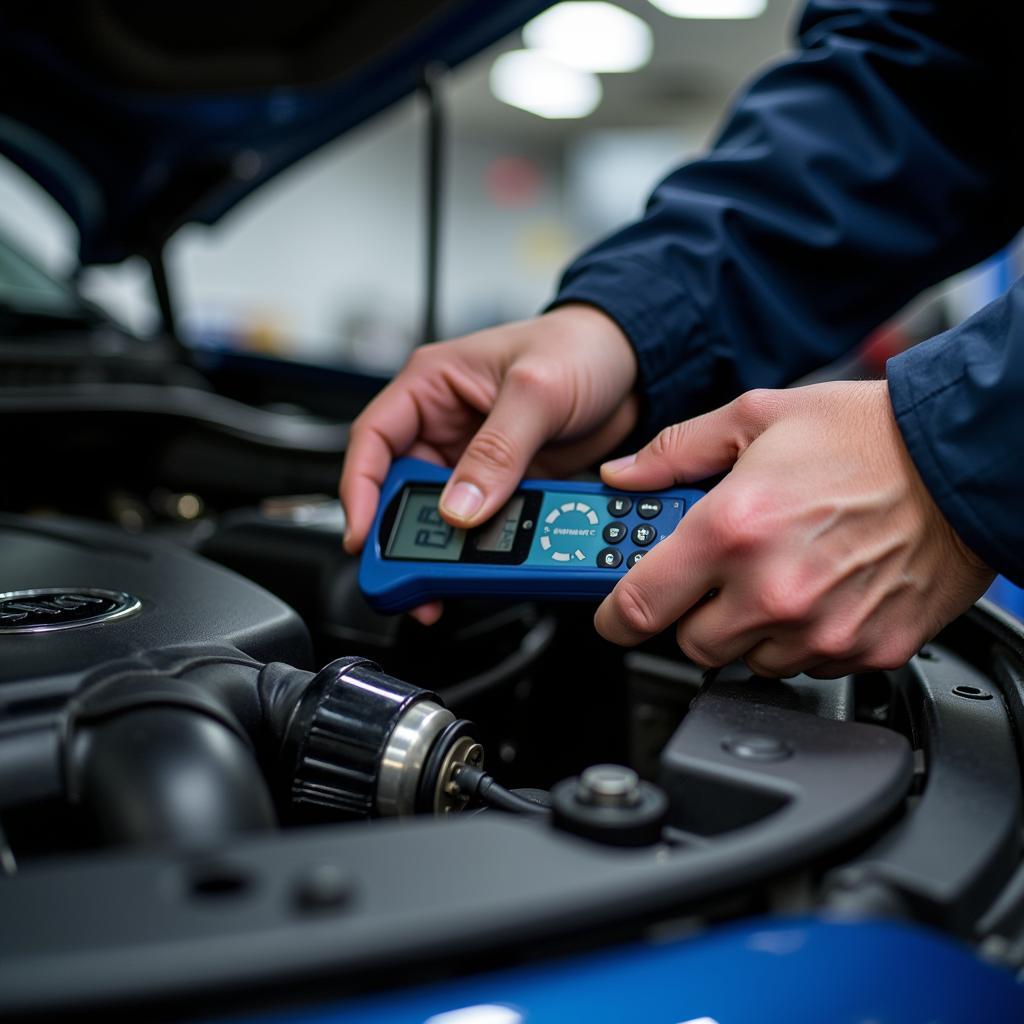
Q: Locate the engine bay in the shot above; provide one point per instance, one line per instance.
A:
(228, 785)
(210, 795)
(232, 790)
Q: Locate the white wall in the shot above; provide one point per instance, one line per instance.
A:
(328, 260)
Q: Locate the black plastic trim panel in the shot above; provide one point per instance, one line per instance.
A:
(960, 843)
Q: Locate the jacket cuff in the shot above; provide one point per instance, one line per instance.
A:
(657, 316)
(927, 388)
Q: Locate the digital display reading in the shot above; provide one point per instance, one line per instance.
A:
(420, 532)
(500, 533)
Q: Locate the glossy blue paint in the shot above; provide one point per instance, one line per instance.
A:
(1007, 595)
(768, 971)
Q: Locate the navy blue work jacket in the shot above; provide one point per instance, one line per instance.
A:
(884, 156)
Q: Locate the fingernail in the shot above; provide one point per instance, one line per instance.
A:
(463, 500)
(617, 465)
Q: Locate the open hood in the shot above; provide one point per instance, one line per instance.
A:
(138, 118)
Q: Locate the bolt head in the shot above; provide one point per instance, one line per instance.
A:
(609, 785)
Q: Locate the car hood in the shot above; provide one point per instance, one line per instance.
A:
(139, 118)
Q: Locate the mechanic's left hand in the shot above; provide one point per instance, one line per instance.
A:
(823, 549)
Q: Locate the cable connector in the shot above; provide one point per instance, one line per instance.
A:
(475, 782)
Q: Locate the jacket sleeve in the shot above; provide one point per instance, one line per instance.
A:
(959, 403)
(878, 160)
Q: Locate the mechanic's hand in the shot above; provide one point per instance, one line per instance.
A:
(548, 396)
(821, 551)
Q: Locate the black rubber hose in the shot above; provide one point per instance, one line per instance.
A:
(475, 782)
(165, 774)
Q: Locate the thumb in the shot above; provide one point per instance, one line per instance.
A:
(497, 457)
(693, 449)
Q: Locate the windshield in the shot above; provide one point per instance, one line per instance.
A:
(25, 288)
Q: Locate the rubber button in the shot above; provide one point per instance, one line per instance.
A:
(648, 508)
(634, 558)
(620, 507)
(614, 532)
(643, 535)
(609, 558)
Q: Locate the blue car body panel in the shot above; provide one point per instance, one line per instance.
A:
(1008, 596)
(766, 971)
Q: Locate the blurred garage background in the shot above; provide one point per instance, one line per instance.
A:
(554, 137)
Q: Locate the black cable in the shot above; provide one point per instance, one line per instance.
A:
(476, 782)
(536, 641)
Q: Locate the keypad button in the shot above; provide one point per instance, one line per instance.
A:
(634, 558)
(614, 532)
(648, 508)
(620, 506)
(609, 558)
(643, 534)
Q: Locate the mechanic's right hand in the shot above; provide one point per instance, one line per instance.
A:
(549, 395)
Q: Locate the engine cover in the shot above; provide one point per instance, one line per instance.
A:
(74, 595)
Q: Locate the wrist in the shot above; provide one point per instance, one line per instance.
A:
(598, 330)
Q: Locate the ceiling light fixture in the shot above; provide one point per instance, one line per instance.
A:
(712, 9)
(591, 35)
(536, 83)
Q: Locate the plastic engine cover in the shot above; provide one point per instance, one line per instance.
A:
(181, 599)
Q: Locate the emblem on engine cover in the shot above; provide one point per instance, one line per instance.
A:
(43, 611)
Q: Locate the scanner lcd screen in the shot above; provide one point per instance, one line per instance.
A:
(420, 532)
(499, 534)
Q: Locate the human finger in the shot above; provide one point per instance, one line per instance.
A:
(427, 614)
(660, 588)
(719, 630)
(497, 456)
(386, 428)
(695, 448)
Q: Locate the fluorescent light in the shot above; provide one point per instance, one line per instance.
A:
(542, 86)
(711, 8)
(591, 35)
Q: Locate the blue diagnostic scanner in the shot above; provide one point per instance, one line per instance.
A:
(553, 539)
